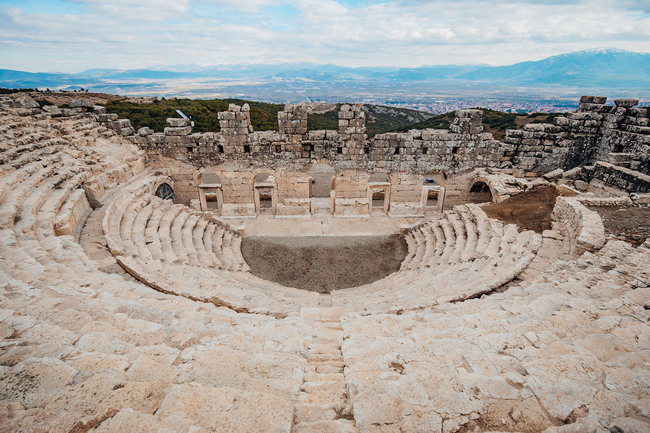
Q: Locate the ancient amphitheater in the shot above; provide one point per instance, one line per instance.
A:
(126, 304)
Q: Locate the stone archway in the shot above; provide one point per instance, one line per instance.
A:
(433, 193)
(480, 192)
(165, 192)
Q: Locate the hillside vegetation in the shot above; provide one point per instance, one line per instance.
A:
(495, 122)
(203, 113)
(263, 115)
(153, 113)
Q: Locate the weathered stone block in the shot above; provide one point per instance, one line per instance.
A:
(178, 131)
(627, 103)
(106, 117)
(82, 103)
(176, 122)
(593, 99)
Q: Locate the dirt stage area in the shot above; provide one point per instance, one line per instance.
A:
(628, 223)
(530, 210)
(324, 263)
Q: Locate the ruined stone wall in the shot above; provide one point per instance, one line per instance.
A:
(619, 134)
(621, 177)
(593, 133)
(406, 187)
(463, 147)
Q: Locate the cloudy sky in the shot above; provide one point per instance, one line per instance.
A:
(74, 35)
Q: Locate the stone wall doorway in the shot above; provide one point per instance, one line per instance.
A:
(266, 193)
(379, 193)
(322, 185)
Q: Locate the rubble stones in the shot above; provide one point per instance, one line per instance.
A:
(145, 131)
(27, 103)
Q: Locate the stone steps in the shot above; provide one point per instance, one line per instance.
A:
(323, 404)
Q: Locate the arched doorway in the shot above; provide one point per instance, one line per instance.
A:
(166, 192)
(480, 192)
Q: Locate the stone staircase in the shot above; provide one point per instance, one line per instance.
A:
(323, 404)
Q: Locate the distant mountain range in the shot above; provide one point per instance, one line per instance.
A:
(604, 68)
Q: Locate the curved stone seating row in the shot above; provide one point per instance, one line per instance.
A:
(566, 347)
(178, 251)
(138, 224)
(82, 348)
(462, 255)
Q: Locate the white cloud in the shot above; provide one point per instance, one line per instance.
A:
(126, 34)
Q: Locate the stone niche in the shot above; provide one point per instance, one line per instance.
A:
(210, 192)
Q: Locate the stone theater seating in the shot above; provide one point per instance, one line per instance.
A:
(484, 327)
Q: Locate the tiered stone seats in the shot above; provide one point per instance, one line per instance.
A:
(563, 352)
(178, 251)
(460, 256)
(83, 349)
(86, 350)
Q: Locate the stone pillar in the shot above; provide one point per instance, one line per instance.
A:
(178, 126)
(593, 104)
(467, 122)
(235, 126)
(293, 120)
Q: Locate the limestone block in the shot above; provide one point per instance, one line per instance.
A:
(553, 174)
(593, 99)
(27, 102)
(626, 103)
(145, 131)
(68, 112)
(53, 110)
(247, 411)
(638, 112)
(34, 382)
(178, 122)
(82, 102)
(186, 130)
(106, 117)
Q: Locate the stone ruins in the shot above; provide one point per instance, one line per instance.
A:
(126, 304)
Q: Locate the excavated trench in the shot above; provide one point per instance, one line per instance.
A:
(324, 263)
